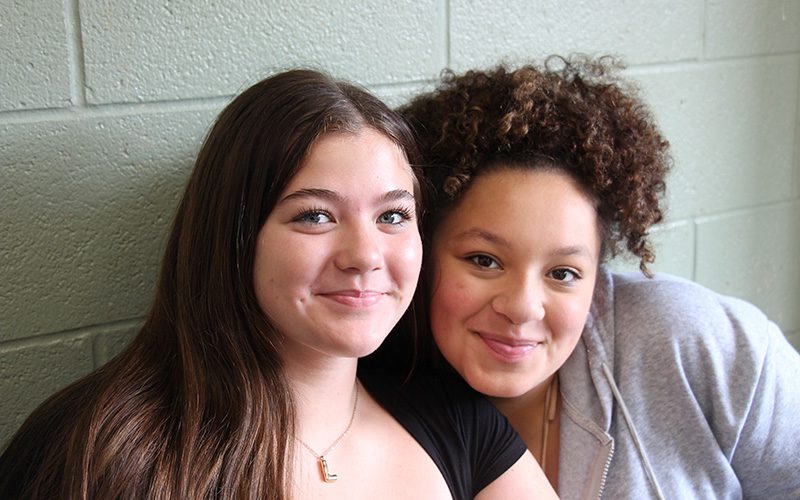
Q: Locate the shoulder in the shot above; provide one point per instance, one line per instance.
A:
(36, 457)
(464, 434)
(666, 295)
(712, 365)
(670, 312)
(673, 339)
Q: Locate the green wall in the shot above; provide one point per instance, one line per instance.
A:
(103, 105)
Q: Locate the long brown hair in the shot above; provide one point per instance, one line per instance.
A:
(198, 405)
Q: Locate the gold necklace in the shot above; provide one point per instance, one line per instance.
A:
(326, 474)
(550, 407)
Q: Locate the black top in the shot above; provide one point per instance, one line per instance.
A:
(470, 441)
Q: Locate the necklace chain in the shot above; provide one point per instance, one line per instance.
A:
(550, 408)
(327, 476)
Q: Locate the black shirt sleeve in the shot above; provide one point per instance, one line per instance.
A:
(469, 440)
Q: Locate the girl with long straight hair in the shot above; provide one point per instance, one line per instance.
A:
(294, 252)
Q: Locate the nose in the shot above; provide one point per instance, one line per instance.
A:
(359, 249)
(520, 301)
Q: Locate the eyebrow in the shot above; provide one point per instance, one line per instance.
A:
(313, 193)
(397, 194)
(393, 195)
(496, 239)
(476, 233)
(571, 250)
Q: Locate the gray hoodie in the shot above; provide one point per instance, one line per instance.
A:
(675, 391)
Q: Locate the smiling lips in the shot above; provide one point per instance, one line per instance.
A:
(354, 298)
(509, 351)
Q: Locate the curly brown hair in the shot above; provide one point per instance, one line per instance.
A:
(573, 114)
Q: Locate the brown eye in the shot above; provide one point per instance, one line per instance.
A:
(564, 275)
(484, 261)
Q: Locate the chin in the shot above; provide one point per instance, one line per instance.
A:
(496, 386)
(483, 384)
(503, 393)
(511, 394)
(367, 346)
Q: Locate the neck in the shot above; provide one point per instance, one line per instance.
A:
(324, 396)
(526, 414)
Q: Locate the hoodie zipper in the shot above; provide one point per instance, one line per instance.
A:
(605, 472)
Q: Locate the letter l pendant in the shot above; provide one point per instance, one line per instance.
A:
(323, 468)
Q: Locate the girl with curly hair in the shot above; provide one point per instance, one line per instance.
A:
(622, 386)
(294, 251)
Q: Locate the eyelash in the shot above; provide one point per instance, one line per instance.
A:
(575, 275)
(474, 260)
(404, 213)
(304, 215)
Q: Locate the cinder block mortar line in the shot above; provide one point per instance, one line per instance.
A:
(77, 67)
(694, 65)
(402, 86)
(113, 110)
(753, 56)
(748, 209)
(448, 54)
(38, 339)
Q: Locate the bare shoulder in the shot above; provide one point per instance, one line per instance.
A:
(525, 479)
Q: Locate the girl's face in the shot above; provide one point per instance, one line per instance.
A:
(515, 263)
(338, 258)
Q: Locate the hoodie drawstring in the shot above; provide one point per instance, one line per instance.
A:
(629, 422)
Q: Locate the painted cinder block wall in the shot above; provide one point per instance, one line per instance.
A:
(103, 105)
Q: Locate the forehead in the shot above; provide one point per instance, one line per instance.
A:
(532, 207)
(512, 189)
(346, 157)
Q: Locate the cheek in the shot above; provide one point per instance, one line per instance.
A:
(570, 316)
(266, 279)
(263, 284)
(281, 265)
(403, 259)
(443, 321)
(409, 257)
(451, 303)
